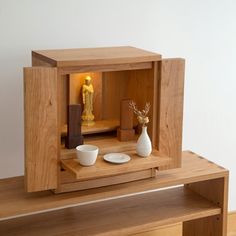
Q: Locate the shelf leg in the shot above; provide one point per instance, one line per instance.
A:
(216, 191)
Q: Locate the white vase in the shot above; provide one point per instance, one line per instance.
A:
(144, 145)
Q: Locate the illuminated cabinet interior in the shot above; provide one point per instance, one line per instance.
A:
(54, 82)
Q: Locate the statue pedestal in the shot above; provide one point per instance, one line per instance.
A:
(125, 134)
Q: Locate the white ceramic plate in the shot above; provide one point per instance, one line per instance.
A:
(117, 158)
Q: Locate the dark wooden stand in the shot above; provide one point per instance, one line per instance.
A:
(74, 136)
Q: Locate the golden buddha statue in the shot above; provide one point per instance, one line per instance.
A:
(87, 93)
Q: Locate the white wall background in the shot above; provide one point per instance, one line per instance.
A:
(203, 32)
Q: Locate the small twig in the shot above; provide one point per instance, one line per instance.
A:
(141, 115)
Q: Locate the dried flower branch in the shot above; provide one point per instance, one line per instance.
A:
(141, 115)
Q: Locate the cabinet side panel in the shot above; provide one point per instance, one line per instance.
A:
(216, 191)
(170, 105)
(41, 137)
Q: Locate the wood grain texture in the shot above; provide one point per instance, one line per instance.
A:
(205, 226)
(105, 68)
(41, 137)
(141, 89)
(170, 115)
(125, 134)
(14, 201)
(63, 98)
(114, 90)
(68, 182)
(176, 229)
(115, 217)
(166, 230)
(156, 78)
(126, 114)
(215, 191)
(38, 61)
(96, 56)
(104, 169)
(126, 131)
(231, 226)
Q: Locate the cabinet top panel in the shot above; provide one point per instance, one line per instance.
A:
(95, 56)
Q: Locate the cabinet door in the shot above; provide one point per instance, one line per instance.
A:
(170, 116)
(41, 128)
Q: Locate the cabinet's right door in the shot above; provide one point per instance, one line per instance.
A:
(170, 103)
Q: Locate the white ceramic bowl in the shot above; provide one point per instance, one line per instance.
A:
(87, 154)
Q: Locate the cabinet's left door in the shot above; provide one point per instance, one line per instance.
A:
(41, 128)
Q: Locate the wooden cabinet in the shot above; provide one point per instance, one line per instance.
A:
(54, 81)
(169, 186)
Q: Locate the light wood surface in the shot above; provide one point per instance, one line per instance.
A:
(105, 68)
(14, 201)
(37, 61)
(68, 182)
(103, 173)
(63, 98)
(104, 169)
(201, 204)
(100, 126)
(176, 229)
(114, 90)
(117, 217)
(126, 115)
(120, 73)
(216, 191)
(231, 226)
(95, 56)
(166, 230)
(41, 137)
(140, 87)
(106, 145)
(170, 119)
(155, 110)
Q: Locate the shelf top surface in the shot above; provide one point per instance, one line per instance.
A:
(105, 169)
(134, 214)
(95, 56)
(15, 202)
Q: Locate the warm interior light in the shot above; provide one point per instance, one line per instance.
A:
(76, 82)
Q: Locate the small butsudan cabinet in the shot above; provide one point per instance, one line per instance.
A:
(109, 199)
(54, 82)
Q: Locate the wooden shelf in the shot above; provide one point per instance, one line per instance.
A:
(134, 214)
(100, 126)
(105, 169)
(105, 143)
(15, 202)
